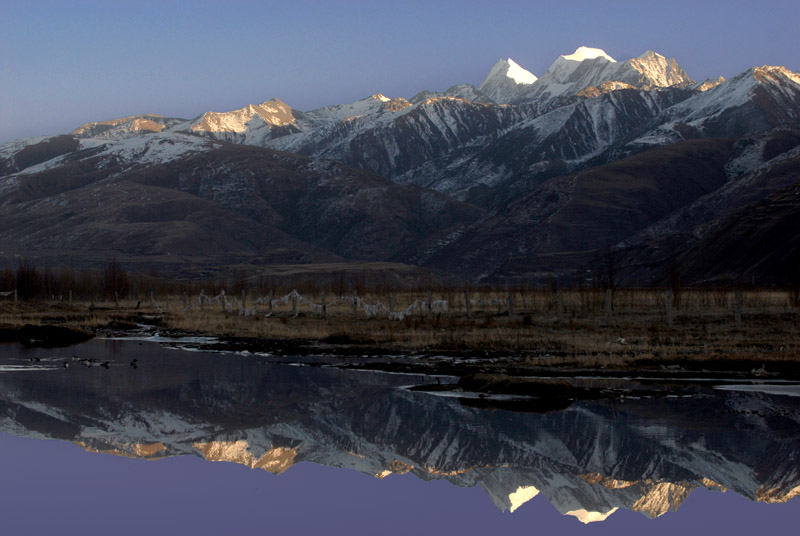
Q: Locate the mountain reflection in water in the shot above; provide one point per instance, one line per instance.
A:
(590, 460)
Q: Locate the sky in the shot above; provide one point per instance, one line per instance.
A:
(63, 64)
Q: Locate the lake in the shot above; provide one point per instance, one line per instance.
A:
(116, 436)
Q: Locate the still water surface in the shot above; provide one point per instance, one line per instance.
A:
(313, 449)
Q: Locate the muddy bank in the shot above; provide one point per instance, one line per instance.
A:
(44, 336)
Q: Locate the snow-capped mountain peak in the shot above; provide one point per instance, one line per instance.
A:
(508, 68)
(587, 53)
(570, 74)
(653, 69)
(584, 65)
(504, 81)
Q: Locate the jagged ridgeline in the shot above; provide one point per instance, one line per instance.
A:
(520, 179)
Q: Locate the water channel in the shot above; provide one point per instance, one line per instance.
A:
(117, 436)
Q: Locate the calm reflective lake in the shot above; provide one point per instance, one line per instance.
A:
(313, 449)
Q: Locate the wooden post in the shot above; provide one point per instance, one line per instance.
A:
(392, 301)
(468, 302)
(510, 300)
(669, 299)
(324, 306)
(294, 305)
(244, 299)
(222, 300)
(15, 295)
(737, 308)
(609, 298)
(116, 299)
(271, 292)
(202, 301)
(355, 303)
(428, 309)
(559, 305)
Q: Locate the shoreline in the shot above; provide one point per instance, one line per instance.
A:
(528, 343)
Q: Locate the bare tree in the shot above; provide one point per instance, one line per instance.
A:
(115, 280)
(607, 268)
(29, 281)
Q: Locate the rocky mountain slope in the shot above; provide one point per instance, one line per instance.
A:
(216, 202)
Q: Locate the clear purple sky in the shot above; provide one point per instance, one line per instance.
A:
(66, 63)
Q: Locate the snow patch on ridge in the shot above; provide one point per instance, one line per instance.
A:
(12, 147)
(521, 496)
(588, 53)
(586, 517)
(518, 74)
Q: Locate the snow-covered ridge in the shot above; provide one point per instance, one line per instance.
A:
(124, 127)
(739, 90)
(273, 113)
(156, 148)
(12, 147)
(708, 83)
(459, 91)
(374, 104)
(592, 67)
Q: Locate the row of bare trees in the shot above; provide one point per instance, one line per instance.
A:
(115, 282)
(34, 283)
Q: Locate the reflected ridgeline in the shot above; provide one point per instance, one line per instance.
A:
(588, 460)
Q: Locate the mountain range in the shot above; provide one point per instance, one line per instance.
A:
(520, 179)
